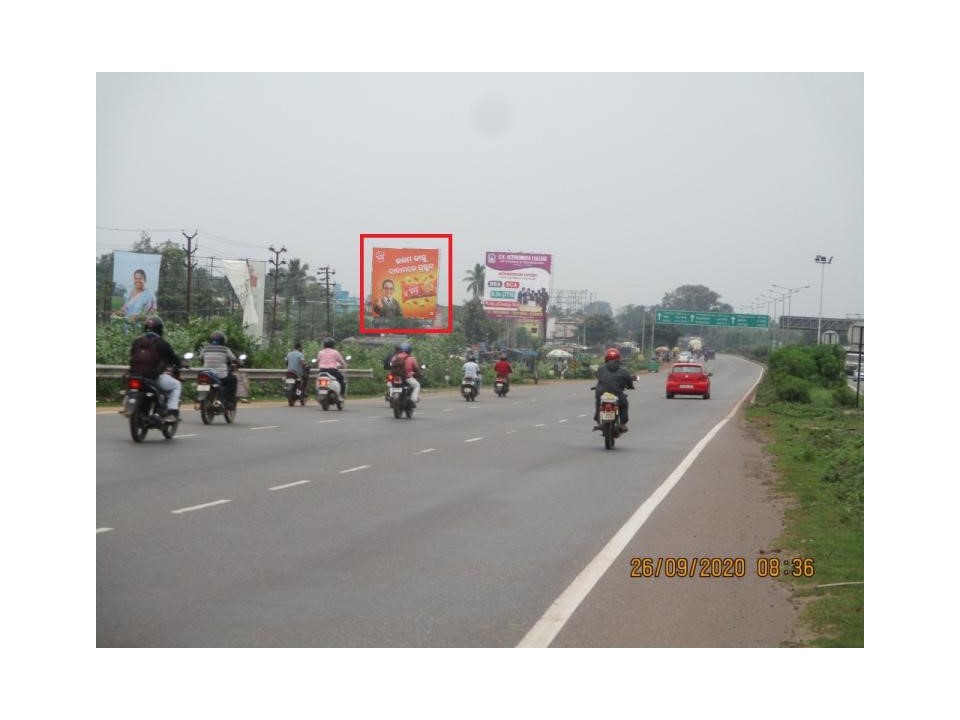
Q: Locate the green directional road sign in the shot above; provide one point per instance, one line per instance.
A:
(695, 317)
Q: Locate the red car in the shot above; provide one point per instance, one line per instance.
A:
(688, 379)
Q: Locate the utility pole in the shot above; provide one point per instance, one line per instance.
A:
(276, 262)
(190, 250)
(326, 272)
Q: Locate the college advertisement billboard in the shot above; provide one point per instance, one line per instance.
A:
(516, 285)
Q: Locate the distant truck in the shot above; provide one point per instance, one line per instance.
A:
(853, 360)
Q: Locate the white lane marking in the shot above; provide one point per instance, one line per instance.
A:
(510, 431)
(187, 435)
(560, 421)
(266, 427)
(473, 439)
(421, 452)
(359, 467)
(540, 425)
(100, 530)
(281, 487)
(584, 415)
(199, 507)
(374, 417)
(320, 422)
(557, 615)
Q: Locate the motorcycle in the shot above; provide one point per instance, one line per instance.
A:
(145, 405)
(210, 400)
(501, 386)
(297, 387)
(329, 391)
(468, 388)
(401, 395)
(609, 418)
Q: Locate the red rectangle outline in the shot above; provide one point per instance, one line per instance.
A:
(363, 289)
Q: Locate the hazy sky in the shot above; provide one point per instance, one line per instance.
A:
(636, 183)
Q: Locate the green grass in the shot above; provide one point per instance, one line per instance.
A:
(818, 451)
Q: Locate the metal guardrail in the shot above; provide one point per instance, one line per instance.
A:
(118, 371)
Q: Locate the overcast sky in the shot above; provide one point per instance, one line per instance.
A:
(636, 183)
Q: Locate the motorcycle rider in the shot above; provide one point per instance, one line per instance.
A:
(216, 356)
(502, 368)
(613, 378)
(386, 366)
(472, 370)
(329, 360)
(297, 364)
(411, 368)
(160, 358)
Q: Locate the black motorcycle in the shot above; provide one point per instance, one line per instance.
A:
(210, 401)
(144, 406)
(296, 387)
(400, 395)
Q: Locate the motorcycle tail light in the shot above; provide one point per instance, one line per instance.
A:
(134, 384)
(203, 378)
(390, 377)
(323, 382)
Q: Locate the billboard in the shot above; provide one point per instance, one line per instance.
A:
(516, 285)
(403, 282)
(135, 279)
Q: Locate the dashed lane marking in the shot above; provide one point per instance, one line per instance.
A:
(473, 439)
(422, 452)
(282, 487)
(265, 427)
(102, 530)
(354, 469)
(198, 507)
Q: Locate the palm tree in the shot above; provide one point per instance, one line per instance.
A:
(475, 280)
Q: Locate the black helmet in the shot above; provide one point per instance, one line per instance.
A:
(471, 358)
(328, 342)
(218, 338)
(405, 347)
(153, 325)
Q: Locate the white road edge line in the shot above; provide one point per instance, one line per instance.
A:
(282, 487)
(198, 507)
(473, 439)
(557, 615)
(359, 467)
(100, 530)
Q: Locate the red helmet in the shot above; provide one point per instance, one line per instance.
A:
(612, 354)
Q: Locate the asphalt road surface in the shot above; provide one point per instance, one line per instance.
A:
(461, 527)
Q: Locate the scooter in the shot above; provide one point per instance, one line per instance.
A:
(296, 387)
(501, 386)
(468, 388)
(329, 391)
(210, 401)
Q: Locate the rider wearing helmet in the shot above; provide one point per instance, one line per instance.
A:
(471, 369)
(329, 360)
(502, 369)
(152, 357)
(613, 378)
(411, 368)
(216, 356)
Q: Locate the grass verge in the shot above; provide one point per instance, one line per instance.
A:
(818, 454)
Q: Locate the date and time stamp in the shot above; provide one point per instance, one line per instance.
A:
(721, 567)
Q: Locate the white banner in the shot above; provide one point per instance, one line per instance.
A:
(247, 279)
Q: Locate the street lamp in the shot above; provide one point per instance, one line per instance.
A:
(791, 291)
(822, 261)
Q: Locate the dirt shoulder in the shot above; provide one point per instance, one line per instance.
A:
(725, 506)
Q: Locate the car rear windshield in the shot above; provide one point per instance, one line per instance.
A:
(687, 369)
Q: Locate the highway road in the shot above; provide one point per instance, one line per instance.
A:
(461, 527)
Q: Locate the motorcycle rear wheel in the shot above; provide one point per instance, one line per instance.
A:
(206, 411)
(230, 413)
(325, 403)
(170, 429)
(397, 409)
(138, 431)
(608, 440)
(408, 411)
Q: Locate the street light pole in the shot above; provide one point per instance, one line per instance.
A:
(790, 296)
(822, 261)
(276, 262)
